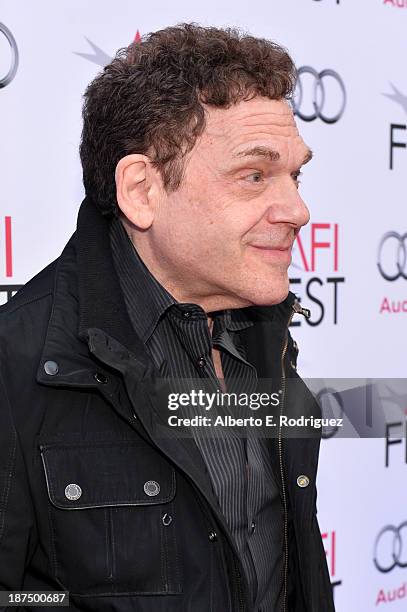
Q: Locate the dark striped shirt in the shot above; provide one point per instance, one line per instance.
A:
(178, 339)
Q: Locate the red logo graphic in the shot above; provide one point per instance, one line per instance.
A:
(396, 3)
(388, 596)
(329, 539)
(7, 290)
(310, 265)
(317, 249)
(393, 306)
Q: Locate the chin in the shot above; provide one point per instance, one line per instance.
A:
(271, 296)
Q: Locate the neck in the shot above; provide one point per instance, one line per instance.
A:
(174, 281)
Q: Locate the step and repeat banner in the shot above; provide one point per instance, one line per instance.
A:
(349, 265)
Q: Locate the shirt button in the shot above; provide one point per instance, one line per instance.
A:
(201, 363)
(252, 527)
(213, 536)
(303, 481)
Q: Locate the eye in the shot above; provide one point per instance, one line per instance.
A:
(255, 177)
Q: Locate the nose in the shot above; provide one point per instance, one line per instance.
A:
(301, 212)
(287, 205)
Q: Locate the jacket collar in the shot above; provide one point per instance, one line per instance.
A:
(101, 302)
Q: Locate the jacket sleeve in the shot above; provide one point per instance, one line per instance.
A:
(17, 523)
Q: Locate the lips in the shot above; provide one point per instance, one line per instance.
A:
(272, 248)
(273, 254)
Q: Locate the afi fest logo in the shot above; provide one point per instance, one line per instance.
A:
(390, 552)
(7, 290)
(398, 131)
(393, 429)
(98, 56)
(316, 257)
(7, 41)
(329, 540)
(319, 95)
(392, 266)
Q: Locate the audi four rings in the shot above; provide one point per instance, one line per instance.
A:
(399, 264)
(388, 549)
(10, 74)
(319, 95)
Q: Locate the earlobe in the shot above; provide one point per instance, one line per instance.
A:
(132, 190)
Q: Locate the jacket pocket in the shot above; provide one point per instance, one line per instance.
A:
(111, 517)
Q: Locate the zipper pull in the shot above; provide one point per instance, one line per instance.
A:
(300, 310)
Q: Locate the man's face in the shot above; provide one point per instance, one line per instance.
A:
(224, 238)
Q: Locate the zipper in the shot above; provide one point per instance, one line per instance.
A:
(296, 309)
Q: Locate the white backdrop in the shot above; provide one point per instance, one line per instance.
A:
(355, 199)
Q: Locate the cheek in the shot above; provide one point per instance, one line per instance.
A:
(208, 215)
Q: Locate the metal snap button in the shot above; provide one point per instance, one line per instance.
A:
(73, 491)
(201, 363)
(213, 536)
(303, 481)
(253, 527)
(151, 488)
(51, 368)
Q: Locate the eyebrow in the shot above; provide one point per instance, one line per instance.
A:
(259, 152)
(269, 153)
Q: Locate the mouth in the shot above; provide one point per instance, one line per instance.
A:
(278, 253)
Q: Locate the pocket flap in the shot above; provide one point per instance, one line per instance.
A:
(91, 475)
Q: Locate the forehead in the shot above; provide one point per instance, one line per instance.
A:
(254, 121)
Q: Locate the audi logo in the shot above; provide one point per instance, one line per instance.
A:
(388, 549)
(315, 106)
(10, 74)
(392, 256)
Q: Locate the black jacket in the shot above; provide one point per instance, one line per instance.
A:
(79, 406)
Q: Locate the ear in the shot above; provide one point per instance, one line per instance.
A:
(133, 189)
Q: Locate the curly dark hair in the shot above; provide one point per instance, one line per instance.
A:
(150, 98)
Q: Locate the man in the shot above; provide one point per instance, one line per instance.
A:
(177, 270)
